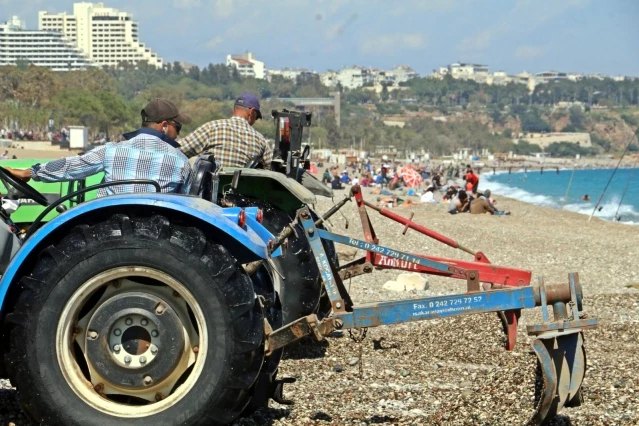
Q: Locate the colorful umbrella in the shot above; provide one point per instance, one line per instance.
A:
(411, 177)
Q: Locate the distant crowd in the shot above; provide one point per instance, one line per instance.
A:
(29, 135)
(409, 186)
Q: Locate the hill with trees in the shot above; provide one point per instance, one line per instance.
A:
(438, 115)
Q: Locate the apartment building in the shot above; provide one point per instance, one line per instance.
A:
(106, 35)
(290, 73)
(402, 73)
(41, 48)
(247, 65)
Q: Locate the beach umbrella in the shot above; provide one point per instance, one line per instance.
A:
(411, 177)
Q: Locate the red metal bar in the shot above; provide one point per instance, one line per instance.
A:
(488, 273)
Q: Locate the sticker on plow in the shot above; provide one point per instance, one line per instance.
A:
(446, 306)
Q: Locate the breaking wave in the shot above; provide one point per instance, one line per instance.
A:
(606, 210)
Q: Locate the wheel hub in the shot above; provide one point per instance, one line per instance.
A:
(134, 340)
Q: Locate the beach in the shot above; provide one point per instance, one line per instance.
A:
(455, 371)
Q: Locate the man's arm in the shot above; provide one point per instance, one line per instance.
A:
(65, 169)
(197, 141)
(488, 207)
(267, 158)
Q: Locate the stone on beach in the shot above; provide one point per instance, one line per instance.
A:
(407, 282)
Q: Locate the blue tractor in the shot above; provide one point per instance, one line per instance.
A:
(137, 307)
(164, 309)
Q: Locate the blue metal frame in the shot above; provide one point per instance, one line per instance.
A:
(315, 237)
(399, 311)
(252, 241)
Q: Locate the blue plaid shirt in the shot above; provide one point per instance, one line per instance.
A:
(147, 154)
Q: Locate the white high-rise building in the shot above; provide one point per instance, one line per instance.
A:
(106, 35)
(41, 48)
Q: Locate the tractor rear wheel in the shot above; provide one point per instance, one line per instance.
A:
(297, 278)
(135, 321)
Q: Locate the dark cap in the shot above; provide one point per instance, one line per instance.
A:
(160, 110)
(249, 100)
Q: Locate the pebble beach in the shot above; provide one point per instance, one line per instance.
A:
(455, 371)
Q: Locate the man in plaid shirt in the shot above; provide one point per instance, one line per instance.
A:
(148, 153)
(233, 141)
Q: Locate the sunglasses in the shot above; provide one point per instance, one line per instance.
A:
(178, 126)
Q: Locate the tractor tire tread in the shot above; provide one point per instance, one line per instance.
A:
(236, 287)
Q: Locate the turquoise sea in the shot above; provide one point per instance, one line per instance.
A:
(620, 201)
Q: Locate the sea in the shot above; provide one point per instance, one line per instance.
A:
(566, 189)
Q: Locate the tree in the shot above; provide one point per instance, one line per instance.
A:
(577, 117)
(523, 147)
(532, 122)
(384, 95)
(115, 112)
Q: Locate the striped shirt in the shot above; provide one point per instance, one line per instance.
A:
(233, 141)
(148, 154)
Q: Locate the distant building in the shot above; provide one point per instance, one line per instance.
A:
(352, 77)
(546, 76)
(106, 35)
(48, 49)
(403, 73)
(290, 74)
(329, 78)
(247, 65)
(187, 66)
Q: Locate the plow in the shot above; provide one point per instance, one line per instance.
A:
(557, 341)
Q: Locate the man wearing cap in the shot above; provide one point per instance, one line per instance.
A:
(148, 153)
(233, 141)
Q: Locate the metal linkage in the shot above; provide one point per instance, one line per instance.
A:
(558, 343)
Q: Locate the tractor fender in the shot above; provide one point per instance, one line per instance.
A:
(246, 245)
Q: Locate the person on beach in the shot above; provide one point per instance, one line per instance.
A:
(428, 196)
(472, 181)
(484, 204)
(461, 204)
(586, 197)
(326, 178)
(480, 206)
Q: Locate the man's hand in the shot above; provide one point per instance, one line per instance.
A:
(22, 174)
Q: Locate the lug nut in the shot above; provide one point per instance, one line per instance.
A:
(128, 321)
(93, 335)
(155, 333)
(148, 380)
(142, 360)
(127, 359)
(117, 348)
(117, 331)
(154, 350)
(144, 322)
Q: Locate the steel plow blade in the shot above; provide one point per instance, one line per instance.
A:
(561, 366)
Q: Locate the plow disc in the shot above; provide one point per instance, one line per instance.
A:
(561, 368)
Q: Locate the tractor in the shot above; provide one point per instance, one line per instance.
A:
(278, 193)
(154, 308)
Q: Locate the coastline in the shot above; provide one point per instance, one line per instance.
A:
(557, 201)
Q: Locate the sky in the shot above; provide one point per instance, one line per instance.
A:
(586, 36)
